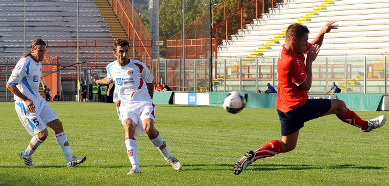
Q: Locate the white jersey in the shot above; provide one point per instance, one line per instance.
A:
(131, 81)
(26, 77)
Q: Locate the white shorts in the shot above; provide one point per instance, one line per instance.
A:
(137, 112)
(35, 122)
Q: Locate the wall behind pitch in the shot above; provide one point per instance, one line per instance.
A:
(357, 102)
(216, 98)
(163, 97)
(361, 102)
(261, 100)
(183, 98)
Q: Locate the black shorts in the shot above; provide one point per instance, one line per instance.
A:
(293, 120)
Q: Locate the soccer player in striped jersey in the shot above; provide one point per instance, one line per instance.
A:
(34, 112)
(293, 106)
(134, 90)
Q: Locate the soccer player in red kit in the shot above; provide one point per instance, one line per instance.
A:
(293, 106)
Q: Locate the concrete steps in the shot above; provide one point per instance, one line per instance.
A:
(112, 22)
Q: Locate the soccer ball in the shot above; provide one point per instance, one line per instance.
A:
(234, 102)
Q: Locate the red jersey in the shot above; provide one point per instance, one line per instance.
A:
(291, 73)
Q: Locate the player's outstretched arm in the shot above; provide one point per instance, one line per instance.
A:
(104, 81)
(327, 28)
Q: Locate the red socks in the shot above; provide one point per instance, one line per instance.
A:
(272, 148)
(353, 119)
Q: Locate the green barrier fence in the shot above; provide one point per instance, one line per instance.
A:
(361, 102)
(216, 98)
(357, 102)
(163, 97)
(261, 100)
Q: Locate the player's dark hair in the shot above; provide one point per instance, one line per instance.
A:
(120, 42)
(296, 30)
(33, 44)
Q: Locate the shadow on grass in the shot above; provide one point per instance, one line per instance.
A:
(36, 166)
(206, 167)
(274, 167)
(82, 166)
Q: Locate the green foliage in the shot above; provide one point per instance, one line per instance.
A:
(170, 16)
(145, 18)
(207, 140)
(141, 6)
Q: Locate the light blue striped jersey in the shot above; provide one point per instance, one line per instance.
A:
(26, 77)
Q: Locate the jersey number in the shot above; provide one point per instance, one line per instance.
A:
(36, 79)
(36, 122)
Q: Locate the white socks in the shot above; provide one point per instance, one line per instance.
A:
(34, 143)
(63, 142)
(132, 151)
(158, 142)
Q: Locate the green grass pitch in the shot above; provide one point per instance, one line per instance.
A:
(207, 140)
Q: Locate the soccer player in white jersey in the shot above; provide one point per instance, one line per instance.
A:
(134, 88)
(33, 110)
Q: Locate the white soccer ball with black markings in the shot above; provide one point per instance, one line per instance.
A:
(234, 102)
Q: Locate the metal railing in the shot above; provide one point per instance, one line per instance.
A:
(228, 17)
(94, 48)
(136, 29)
(49, 77)
(353, 74)
(60, 75)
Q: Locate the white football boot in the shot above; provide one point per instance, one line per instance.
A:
(27, 161)
(134, 170)
(244, 162)
(375, 123)
(176, 164)
(75, 161)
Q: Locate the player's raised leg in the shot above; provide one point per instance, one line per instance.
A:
(62, 141)
(156, 140)
(339, 108)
